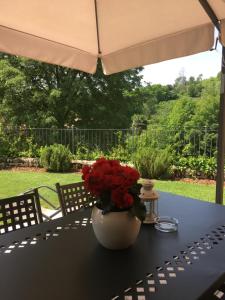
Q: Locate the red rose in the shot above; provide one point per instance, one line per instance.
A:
(85, 171)
(117, 197)
(109, 175)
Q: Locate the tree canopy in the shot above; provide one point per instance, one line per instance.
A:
(43, 95)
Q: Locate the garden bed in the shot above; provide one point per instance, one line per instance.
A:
(198, 181)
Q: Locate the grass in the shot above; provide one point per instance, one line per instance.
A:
(192, 190)
(14, 183)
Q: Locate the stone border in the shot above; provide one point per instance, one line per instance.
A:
(6, 163)
(24, 162)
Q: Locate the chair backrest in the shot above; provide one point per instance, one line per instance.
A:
(20, 212)
(73, 197)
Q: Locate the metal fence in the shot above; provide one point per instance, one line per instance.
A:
(188, 141)
(103, 139)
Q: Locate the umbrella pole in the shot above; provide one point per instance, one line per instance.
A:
(221, 131)
(221, 136)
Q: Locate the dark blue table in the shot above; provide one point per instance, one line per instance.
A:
(61, 259)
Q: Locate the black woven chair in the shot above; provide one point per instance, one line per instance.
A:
(19, 212)
(73, 197)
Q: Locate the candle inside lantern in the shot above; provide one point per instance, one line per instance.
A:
(150, 199)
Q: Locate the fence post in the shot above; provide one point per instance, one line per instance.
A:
(133, 138)
(205, 146)
(72, 131)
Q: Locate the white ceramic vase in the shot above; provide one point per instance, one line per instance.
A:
(115, 230)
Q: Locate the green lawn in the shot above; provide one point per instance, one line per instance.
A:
(192, 190)
(14, 183)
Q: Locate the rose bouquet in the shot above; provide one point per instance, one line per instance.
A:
(115, 187)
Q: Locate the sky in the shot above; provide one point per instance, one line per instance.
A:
(206, 63)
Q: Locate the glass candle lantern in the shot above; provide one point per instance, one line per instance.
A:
(150, 198)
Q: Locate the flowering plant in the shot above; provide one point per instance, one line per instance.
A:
(115, 187)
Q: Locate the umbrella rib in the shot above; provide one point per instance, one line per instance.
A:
(97, 28)
(208, 9)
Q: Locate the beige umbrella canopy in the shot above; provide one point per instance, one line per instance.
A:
(122, 33)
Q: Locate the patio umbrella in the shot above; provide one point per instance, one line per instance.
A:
(122, 33)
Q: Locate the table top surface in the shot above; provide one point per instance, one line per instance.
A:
(62, 259)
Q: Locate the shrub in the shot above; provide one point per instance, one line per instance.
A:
(119, 153)
(17, 145)
(4, 145)
(56, 158)
(194, 167)
(83, 152)
(152, 163)
(95, 154)
(30, 149)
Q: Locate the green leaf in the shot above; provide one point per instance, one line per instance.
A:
(135, 189)
(138, 209)
(104, 202)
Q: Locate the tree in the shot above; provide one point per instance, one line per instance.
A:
(181, 84)
(45, 95)
(194, 87)
(148, 97)
(181, 113)
(139, 122)
(13, 92)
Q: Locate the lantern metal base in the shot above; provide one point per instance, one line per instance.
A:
(150, 219)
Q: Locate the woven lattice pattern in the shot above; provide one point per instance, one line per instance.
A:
(220, 293)
(146, 287)
(19, 212)
(32, 240)
(74, 197)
